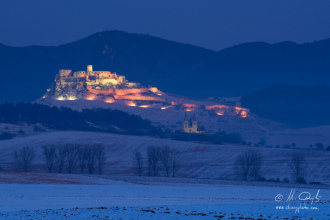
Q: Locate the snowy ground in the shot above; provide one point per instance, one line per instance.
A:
(111, 199)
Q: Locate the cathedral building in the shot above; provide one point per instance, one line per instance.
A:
(191, 126)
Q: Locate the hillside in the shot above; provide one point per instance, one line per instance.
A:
(196, 160)
(171, 66)
(294, 105)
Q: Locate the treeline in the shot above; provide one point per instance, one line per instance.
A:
(87, 158)
(219, 137)
(104, 120)
(63, 118)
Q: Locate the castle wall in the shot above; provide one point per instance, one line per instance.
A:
(99, 91)
(131, 91)
(79, 74)
(106, 81)
(65, 73)
(139, 97)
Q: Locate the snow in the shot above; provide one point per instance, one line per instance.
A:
(196, 160)
(123, 200)
(251, 128)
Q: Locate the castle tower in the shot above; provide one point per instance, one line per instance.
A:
(89, 68)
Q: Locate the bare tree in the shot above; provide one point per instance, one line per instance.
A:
(49, 152)
(175, 162)
(72, 151)
(100, 157)
(62, 153)
(248, 164)
(165, 156)
(0, 167)
(138, 162)
(90, 158)
(24, 158)
(298, 166)
(82, 158)
(256, 163)
(149, 161)
(153, 160)
(242, 166)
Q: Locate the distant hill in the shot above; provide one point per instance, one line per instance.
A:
(26, 72)
(297, 106)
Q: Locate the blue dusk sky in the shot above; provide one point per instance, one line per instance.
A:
(211, 24)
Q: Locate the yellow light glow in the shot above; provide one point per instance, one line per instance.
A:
(244, 114)
(91, 97)
(60, 98)
(144, 106)
(109, 100)
(188, 110)
(71, 98)
(130, 103)
(219, 113)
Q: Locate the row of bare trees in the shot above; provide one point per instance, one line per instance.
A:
(90, 157)
(58, 158)
(158, 158)
(247, 166)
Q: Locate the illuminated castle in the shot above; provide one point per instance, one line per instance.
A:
(111, 88)
(91, 84)
(92, 79)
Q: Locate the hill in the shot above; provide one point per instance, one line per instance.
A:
(295, 105)
(197, 160)
(27, 72)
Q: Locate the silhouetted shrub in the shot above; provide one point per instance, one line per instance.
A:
(319, 146)
(301, 180)
(315, 183)
(286, 146)
(286, 180)
(6, 136)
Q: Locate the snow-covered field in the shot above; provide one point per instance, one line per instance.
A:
(110, 199)
(196, 160)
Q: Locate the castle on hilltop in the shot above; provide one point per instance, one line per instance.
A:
(92, 79)
(109, 87)
(92, 85)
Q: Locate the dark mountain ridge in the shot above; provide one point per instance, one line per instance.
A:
(183, 69)
(295, 105)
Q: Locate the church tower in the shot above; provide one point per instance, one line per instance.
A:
(194, 123)
(185, 122)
